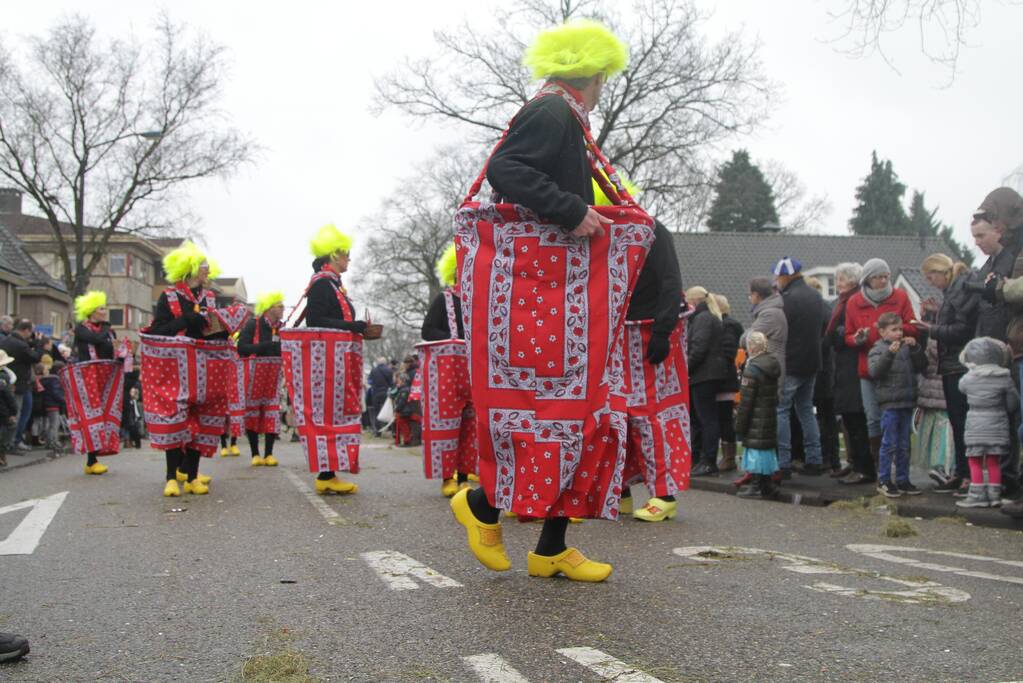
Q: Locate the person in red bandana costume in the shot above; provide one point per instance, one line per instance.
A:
(550, 435)
(188, 368)
(93, 387)
(327, 409)
(449, 419)
(259, 346)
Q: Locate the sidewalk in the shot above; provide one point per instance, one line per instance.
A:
(823, 491)
(26, 458)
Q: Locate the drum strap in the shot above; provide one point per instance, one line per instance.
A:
(342, 295)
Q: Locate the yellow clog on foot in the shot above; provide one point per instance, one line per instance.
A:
(196, 487)
(485, 540)
(224, 452)
(270, 461)
(235, 451)
(449, 487)
(258, 461)
(572, 563)
(473, 477)
(464, 485)
(182, 477)
(656, 510)
(335, 485)
(95, 469)
(171, 489)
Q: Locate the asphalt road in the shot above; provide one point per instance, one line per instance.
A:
(126, 585)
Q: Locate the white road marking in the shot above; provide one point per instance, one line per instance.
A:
(606, 666)
(493, 668)
(26, 536)
(885, 552)
(919, 591)
(329, 513)
(400, 571)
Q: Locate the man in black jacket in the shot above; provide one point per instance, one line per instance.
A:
(27, 350)
(381, 381)
(804, 313)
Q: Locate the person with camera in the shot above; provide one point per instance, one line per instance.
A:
(1002, 210)
(27, 348)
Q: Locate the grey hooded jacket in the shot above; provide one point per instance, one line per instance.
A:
(769, 318)
(992, 397)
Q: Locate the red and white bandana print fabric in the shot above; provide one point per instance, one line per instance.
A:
(323, 372)
(657, 406)
(236, 399)
(94, 392)
(262, 403)
(186, 385)
(546, 316)
(449, 418)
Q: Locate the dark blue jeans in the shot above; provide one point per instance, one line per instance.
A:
(24, 416)
(896, 425)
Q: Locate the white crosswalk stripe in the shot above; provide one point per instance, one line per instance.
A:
(606, 666)
(399, 571)
(493, 668)
(26, 536)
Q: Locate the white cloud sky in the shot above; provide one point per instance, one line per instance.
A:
(301, 84)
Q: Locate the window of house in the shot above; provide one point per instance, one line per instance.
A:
(117, 317)
(118, 264)
(140, 269)
(55, 322)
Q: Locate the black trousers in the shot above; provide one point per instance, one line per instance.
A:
(956, 405)
(703, 397)
(857, 445)
(726, 420)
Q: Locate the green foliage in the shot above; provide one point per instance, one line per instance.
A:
(924, 224)
(743, 200)
(879, 209)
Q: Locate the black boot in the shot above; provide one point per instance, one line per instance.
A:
(768, 489)
(705, 468)
(752, 489)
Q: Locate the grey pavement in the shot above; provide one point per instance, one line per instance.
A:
(126, 585)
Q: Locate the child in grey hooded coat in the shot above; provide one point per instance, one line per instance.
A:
(992, 397)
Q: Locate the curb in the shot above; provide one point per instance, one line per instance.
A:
(920, 506)
(33, 461)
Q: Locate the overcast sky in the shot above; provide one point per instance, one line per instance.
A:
(301, 84)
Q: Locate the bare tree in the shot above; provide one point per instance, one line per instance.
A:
(395, 270)
(942, 25)
(680, 96)
(798, 210)
(99, 135)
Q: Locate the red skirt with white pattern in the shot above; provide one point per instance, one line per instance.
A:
(236, 402)
(94, 393)
(186, 386)
(449, 418)
(657, 405)
(546, 313)
(262, 394)
(323, 372)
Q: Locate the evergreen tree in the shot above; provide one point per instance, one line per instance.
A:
(743, 200)
(879, 210)
(923, 224)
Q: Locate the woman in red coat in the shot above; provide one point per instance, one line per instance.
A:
(876, 296)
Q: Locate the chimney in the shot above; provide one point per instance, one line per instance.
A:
(10, 200)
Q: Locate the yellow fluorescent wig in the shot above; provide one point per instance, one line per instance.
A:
(215, 269)
(328, 240)
(447, 267)
(183, 262)
(89, 303)
(600, 199)
(576, 50)
(268, 300)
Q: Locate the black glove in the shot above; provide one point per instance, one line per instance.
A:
(657, 349)
(358, 327)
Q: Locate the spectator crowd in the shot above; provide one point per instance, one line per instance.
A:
(867, 371)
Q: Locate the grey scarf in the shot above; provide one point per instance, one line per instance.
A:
(872, 268)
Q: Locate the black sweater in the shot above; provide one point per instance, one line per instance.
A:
(166, 324)
(323, 308)
(103, 341)
(542, 163)
(435, 324)
(266, 346)
(658, 292)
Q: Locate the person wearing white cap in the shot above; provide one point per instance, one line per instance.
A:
(806, 316)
